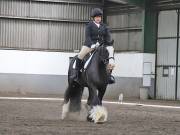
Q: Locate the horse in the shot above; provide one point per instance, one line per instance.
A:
(94, 77)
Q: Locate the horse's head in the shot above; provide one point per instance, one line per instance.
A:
(103, 53)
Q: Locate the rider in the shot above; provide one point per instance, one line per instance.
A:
(96, 33)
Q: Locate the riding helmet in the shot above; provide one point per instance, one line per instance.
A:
(96, 12)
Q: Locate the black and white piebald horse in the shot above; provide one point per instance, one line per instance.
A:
(94, 77)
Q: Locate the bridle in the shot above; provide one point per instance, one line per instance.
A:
(104, 60)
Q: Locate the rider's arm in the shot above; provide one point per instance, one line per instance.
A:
(110, 48)
(88, 40)
(109, 42)
(107, 37)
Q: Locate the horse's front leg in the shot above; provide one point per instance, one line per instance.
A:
(93, 98)
(101, 92)
(96, 112)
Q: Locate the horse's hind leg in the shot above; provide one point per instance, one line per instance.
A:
(72, 99)
(75, 99)
(65, 108)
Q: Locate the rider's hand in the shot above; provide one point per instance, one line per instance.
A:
(97, 44)
(93, 46)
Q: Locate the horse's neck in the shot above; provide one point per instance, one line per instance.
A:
(97, 63)
(95, 59)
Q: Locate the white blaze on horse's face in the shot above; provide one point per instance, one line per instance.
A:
(110, 50)
(111, 64)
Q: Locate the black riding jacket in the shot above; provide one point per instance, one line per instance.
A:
(93, 34)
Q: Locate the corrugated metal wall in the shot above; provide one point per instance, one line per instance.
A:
(59, 25)
(178, 78)
(165, 4)
(166, 55)
(44, 24)
(126, 27)
(23, 34)
(166, 58)
(178, 89)
(44, 9)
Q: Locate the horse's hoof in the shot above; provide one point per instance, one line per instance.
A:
(98, 114)
(89, 119)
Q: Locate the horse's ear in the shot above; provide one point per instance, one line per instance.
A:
(112, 42)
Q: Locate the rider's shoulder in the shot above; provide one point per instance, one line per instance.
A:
(90, 23)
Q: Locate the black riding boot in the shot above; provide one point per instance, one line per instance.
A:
(111, 78)
(78, 67)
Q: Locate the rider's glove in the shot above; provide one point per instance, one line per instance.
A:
(93, 46)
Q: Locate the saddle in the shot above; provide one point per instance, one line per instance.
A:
(86, 61)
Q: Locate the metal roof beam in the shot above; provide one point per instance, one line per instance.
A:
(133, 2)
(119, 1)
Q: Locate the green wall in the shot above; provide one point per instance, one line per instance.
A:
(150, 31)
(140, 3)
(150, 24)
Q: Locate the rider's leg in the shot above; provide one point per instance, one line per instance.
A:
(84, 51)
